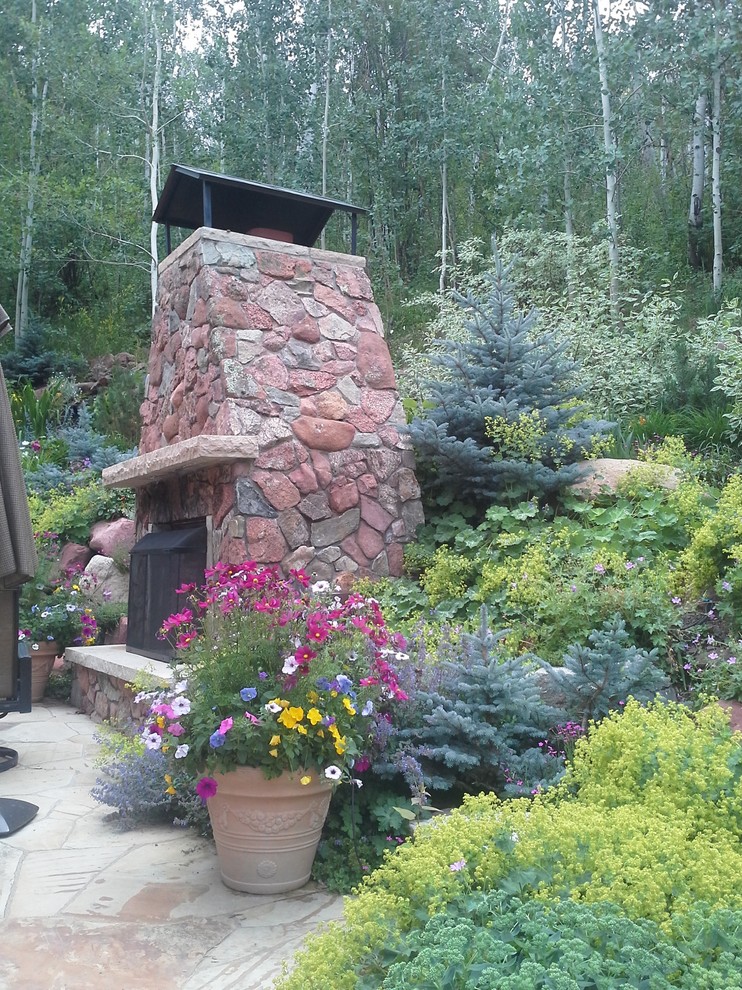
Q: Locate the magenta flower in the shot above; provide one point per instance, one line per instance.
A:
(206, 788)
(226, 725)
(459, 865)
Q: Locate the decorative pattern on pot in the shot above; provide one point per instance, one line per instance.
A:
(267, 830)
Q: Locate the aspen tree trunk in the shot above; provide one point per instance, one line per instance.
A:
(695, 214)
(154, 169)
(444, 195)
(610, 149)
(716, 167)
(326, 115)
(34, 169)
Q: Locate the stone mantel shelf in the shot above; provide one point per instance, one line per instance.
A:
(183, 457)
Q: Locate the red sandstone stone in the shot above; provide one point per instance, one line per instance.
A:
(323, 434)
(276, 487)
(257, 318)
(339, 368)
(265, 541)
(307, 406)
(276, 340)
(199, 336)
(176, 399)
(374, 362)
(389, 435)
(345, 351)
(350, 546)
(335, 302)
(275, 264)
(223, 503)
(235, 551)
(362, 422)
(270, 370)
(322, 467)
(200, 312)
(370, 542)
(343, 494)
(225, 312)
(367, 484)
(377, 404)
(395, 557)
(331, 405)
(323, 273)
(74, 555)
(354, 282)
(201, 413)
(303, 382)
(373, 514)
(304, 478)
(170, 427)
(306, 330)
(282, 457)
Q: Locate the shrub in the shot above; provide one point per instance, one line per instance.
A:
(71, 514)
(502, 419)
(655, 860)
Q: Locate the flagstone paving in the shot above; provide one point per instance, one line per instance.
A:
(85, 906)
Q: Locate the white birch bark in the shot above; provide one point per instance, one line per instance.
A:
(610, 149)
(326, 114)
(34, 170)
(444, 197)
(716, 166)
(695, 214)
(154, 161)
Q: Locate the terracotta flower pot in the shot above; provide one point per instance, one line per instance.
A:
(42, 662)
(267, 831)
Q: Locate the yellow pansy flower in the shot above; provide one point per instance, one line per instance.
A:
(306, 780)
(314, 715)
(275, 741)
(301, 729)
(348, 706)
(290, 716)
(313, 697)
(273, 752)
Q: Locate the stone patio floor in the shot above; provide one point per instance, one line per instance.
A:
(85, 906)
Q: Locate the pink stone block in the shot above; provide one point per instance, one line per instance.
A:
(304, 478)
(323, 434)
(343, 495)
(395, 557)
(322, 467)
(373, 514)
(171, 427)
(350, 546)
(265, 541)
(303, 382)
(271, 371)
(276, 487)
(367, 484)
(374, 362)
(354, 282)
(331, 405)
(377, 404)
(362, 422)
(257, 318)
(275, 264)
(106, 538)
(370, 542)
(306, 330)
(282, 457)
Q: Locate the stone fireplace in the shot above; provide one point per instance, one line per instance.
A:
(271, 411)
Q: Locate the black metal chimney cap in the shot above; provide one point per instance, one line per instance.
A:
(193, 198)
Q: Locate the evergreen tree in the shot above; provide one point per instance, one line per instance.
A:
(599, 678)
(502, 423)
(480, 727)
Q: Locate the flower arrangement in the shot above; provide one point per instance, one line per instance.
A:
(55, 611)
(274, 674)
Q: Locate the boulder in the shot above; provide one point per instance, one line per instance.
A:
(104, 581)
(114, 538)
(605, 474)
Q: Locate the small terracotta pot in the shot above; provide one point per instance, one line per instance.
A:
(267, 831)
(42, 661)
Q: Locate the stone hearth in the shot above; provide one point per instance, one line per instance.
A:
(271, 410)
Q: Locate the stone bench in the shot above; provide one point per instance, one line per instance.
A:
(101, 679)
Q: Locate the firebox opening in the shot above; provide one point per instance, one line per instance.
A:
(161, 562)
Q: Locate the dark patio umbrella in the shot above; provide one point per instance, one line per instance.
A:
(17, 565)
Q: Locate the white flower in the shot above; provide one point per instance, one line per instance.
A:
(289, 665)
(153, 740)
(182, 751)
(357, 782)
(180, 706)
(272, 706)
(319, 587)
(181, 687)
(333, 772)
(367, 708)
(70, 607)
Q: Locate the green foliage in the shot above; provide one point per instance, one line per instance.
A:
(35, 412)
(71, 514)
(599, 678)
(116, 408)
(481, 725)
(492, 941)
(34, 361)
(717, 544)
(650, 824)
(501, 423)
(361, 826)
